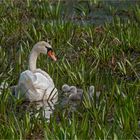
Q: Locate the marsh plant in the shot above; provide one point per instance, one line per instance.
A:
(106, 56)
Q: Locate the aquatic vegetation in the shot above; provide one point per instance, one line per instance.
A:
(106, 56)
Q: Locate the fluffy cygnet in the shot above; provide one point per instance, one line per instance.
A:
(98, 94)
(65, 88)
(77, 96)
(68, 90)
(79, 90)
(91, 91)
(73, 90)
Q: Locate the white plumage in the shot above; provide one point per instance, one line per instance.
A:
(36, 84)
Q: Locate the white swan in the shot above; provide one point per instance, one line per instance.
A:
(35, 83)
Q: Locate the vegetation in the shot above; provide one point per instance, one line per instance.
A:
(106, 56)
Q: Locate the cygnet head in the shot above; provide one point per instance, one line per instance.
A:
(65, 88)
(73, 90)
(45, 48)
(91, 90)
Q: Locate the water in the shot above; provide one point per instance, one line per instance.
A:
(39, 108)
(100, 13)
(47, 108)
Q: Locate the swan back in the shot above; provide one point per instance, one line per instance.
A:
(36, 86)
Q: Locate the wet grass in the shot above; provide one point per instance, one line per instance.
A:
(107, 57)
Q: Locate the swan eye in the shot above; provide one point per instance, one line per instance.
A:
(48, 49)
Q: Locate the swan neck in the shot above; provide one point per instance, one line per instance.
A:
(32, 60)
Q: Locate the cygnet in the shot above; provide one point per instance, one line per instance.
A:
(65, 88)
(91, 91)
(73, 90)
(77, 96)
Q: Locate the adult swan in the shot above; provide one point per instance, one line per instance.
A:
(35, 83)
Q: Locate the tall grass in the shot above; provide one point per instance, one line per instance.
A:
(107, 57)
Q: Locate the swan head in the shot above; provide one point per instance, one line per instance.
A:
(45, 48)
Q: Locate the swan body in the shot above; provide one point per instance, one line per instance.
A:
(35, 84)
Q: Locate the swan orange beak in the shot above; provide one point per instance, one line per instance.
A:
(51, 54)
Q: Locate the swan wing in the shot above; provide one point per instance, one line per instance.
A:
(35, 86)
(26, 85)
(45, 86)
(45, 74)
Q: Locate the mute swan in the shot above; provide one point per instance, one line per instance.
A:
(35, 83)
